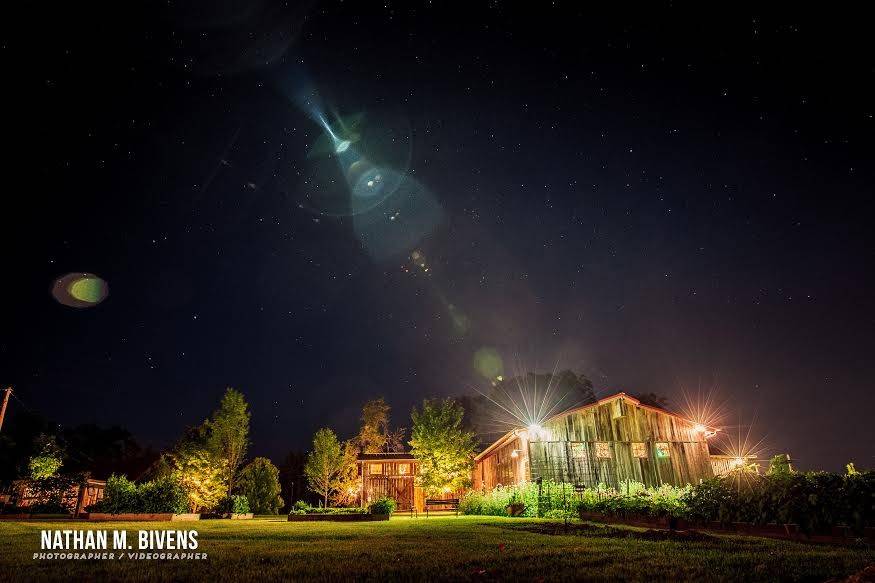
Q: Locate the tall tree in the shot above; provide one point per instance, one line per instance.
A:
(376, 435)
(443, 448)
(195, 467)
(259, 482)
(346, 483)
(324, 463)
(653, 400)
(375, 426)
(229, 435)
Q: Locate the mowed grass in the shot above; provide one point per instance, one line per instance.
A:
(457, 548)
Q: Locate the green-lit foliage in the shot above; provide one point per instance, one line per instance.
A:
(235, 504)
(382, 506)
(162, 495)
(259, 482)
(324, 463)
(48, 459)
(816, 501)
(442, 447)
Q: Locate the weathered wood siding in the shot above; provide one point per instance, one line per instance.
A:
(389, 481)
(501, 467)
(568, 452)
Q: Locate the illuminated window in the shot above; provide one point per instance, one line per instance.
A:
(603, 450)
(375, 468)
(403, 469)
(578, 451)
(662, 450)
(639, 450)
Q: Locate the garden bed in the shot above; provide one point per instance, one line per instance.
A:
(357, 517)
(26, 516)
(781, 531)
(142, 517)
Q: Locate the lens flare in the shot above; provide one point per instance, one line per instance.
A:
(79, 290)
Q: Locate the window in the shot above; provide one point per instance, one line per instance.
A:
(375, 468)
(639, 450)
(603, 450)
(578, 451)
(662, 450)
(403, 469)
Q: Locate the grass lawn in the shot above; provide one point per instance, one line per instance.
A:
(467, 547)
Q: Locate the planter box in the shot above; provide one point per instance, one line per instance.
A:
(23, 516)
(246, 516)
(163, 517)
(337, 517)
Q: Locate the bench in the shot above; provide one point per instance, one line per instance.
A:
(453, 504)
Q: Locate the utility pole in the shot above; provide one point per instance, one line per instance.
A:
(7, 392)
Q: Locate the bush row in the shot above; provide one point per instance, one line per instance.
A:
(123, 496)
(816, 501)
(556, 500)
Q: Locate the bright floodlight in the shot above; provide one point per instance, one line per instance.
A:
(342, 146)
(699, 428)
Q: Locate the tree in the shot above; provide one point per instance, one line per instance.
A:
(196, 471)
(346, 483)
(48, 459)
(259, 482)
(444, 450)
(375, 435)
(324, 463)
(653, 400)
(195, 466)
(229, 435)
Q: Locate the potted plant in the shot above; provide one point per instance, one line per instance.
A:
(515, 507)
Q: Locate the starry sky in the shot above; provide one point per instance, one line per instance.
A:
(662, 198)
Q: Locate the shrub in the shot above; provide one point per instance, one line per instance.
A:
(382, 506)
(53, 495)
(234, 504)
(259, 482)
(122, 496)
(162, 495)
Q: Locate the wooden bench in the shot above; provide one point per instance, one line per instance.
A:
(453, 504)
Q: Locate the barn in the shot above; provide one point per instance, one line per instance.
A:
(391, 475)
(615, 439)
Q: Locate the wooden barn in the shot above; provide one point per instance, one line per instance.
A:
(391, 475)
(615, 439)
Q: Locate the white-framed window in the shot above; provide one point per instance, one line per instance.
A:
(403, 469)
(663, 450)
(375, 469)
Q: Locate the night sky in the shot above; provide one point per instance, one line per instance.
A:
(662, 199)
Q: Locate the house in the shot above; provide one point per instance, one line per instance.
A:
(615, 439)
(21, 494)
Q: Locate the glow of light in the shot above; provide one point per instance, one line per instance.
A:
(529, 405)
(515, 453)
(699, 428)
(737, 462)
(342, 146)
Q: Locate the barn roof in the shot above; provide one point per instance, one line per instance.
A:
(513, 432)
(385, 457)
